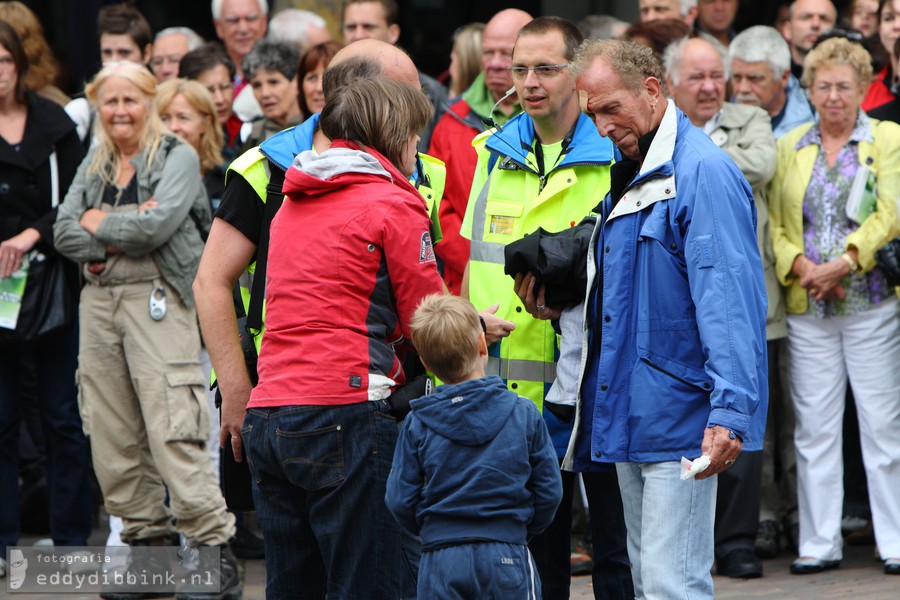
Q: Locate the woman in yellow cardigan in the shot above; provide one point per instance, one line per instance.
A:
(833, 203)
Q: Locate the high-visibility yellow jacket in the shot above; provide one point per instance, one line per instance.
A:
(512, 197)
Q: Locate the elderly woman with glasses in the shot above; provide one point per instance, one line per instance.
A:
(833, 204)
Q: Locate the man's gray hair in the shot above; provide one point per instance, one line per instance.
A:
(290, 26)
(193, 38)
(675, 52)
(633, 62)
(271, 56)
(601, 27)
(761, 43)
(216, 8)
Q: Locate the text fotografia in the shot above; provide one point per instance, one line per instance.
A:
(122, 569)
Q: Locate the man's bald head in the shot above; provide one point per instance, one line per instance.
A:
(510, 19)
(497, 43)
(395, 63)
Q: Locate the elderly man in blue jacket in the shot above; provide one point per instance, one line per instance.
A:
(674, 362)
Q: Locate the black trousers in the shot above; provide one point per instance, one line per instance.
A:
(737, 504)
(611, 575)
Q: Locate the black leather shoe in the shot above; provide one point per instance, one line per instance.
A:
(807, 565)
(245, 544)
(740, 564)
(892, 566)
(767, 539)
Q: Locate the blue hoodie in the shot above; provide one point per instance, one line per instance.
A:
(474, 462)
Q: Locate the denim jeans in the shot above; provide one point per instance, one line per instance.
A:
(319, 482)
(670, 530)
(68, 461)
(484, 570)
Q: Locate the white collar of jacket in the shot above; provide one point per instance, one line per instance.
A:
(656, 179)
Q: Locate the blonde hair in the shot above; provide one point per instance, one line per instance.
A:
(838, 51)
(106, 157)
(42, 67)
(446, 330)
(199, 98)
(377, 113)
(467, 46)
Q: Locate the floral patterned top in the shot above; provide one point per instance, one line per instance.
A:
(826, 225)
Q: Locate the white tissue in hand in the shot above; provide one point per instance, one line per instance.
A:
(690, 468)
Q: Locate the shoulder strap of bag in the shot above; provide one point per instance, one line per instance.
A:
(274, 197)
(54, 179)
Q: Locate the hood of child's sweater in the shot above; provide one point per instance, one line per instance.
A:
(469, 413)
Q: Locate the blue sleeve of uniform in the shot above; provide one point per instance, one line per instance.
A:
(545, 483)
(406, 480)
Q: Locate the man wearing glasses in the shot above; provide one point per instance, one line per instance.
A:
(240, 24)
(549, 168)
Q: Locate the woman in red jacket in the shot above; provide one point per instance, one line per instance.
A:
(350, 257)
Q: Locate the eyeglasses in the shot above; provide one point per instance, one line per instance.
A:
(483, 324)
(542, 71)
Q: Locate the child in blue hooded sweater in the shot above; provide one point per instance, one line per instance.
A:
(474, 473)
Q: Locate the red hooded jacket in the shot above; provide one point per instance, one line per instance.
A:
(350, 257)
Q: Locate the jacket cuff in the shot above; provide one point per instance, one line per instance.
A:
(729, 419)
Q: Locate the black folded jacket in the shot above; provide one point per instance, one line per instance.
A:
(558, 260)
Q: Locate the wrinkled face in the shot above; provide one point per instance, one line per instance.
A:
(365, 20)
(183, 119)
(312, 89)
(167, 53)
(497, 45)
(218, 82)
(242, 24)
(716, 15)
(123, 111)
(651, 10)
(8, 74)
(889, 29)
(700, 89)
(118, 47)
(754, 84)
(276, 94)
(809, 20)
(620, 113)
(864, 17)
(836, 95)
(543, 92)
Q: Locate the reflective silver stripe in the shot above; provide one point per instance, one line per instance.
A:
(482, 251)
(487, 252)
(480, 214)
(521, 370)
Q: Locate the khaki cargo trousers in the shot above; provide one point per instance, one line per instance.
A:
(142, 400)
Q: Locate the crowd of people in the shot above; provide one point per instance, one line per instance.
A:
(641, 261)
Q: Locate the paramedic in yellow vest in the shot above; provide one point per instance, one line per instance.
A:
(547, 167)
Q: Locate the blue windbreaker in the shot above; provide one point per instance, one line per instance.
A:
(676, 309)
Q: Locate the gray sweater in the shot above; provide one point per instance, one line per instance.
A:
(168, 233)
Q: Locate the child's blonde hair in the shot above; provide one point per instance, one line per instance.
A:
(445, 331)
